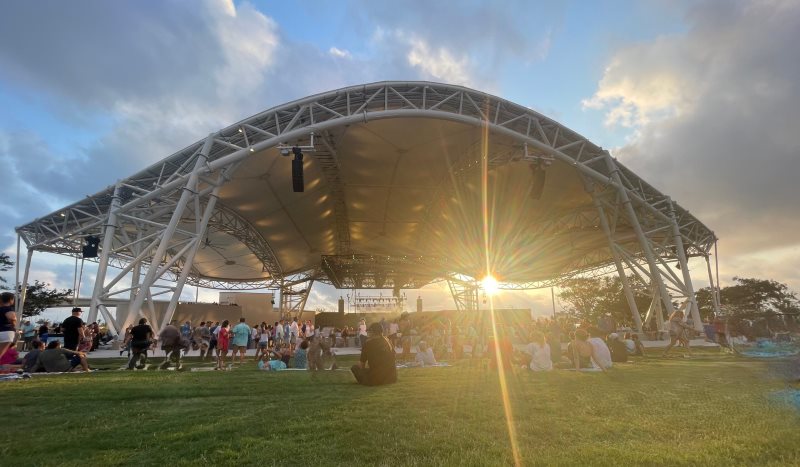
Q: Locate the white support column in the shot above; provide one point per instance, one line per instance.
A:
(102, 267)
(24, 288)
(644, 243)
(626, 287)
(713, 286)
(16, 281)
(166, 236)
(189, 259)
(687, 278)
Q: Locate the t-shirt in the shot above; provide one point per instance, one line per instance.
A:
(223, 338)
(141, 332)
(43, 330)
(30, 359)
(619, 353)
(540, 357)
(5, 323)
(170, 336)
(264, 336)
(28, 330)
(293, 328)
(425, 357)
(379, 357)
(601, 356)
(279, 331)
(300, 358)
(55, 360)
(362, 329)
(70, 328)
(241, 332)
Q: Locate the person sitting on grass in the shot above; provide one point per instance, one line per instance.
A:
(54, 359)
(266, 363)
(29, 361)
(619, 353)
(539, 351)
(301, 355)
(601, 355)
(633, 345)
(425, 354)
(10, 360)
(579, 351)
(377, 363)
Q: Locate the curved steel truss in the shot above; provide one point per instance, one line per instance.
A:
(153, 223)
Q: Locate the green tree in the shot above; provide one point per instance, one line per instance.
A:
(39, 296)
(590, 298)
(751, 296)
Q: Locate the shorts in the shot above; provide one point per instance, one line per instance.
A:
(74, 361)
(7, 336)
(293, 339)
(240, 348)
(263, 344)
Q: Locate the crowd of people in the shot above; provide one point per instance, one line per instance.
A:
(540, 345)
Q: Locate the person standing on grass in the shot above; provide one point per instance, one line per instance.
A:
(377, 364)
(223, 342)
(44, 332)
(8, 322)
(294, 332)
(263, 340)
(678, 331)
(202, 336)
(362, 333)
(172, 342)
(278, 340)
(140, 339)
(74, 330)
(28, 334)
(212, 342)
(241, 333)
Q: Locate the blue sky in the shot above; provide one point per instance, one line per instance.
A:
(699, 97)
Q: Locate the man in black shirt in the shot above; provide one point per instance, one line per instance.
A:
(377, 363)
(141, 339)
(72, 328)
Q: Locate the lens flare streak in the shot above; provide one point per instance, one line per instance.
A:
(487, 220)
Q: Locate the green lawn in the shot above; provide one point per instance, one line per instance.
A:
(707, 410)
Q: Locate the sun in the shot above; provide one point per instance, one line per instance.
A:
(490, 285)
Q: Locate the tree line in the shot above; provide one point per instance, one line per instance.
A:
(590, 298)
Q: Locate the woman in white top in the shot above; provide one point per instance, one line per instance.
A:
(539, 350)
(601, 355)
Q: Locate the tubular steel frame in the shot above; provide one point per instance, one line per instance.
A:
(145, 220)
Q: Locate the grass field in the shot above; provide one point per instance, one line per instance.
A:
(707, 410)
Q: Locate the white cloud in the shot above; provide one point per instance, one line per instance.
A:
(339, 53)
(716, 112)
(438, 63)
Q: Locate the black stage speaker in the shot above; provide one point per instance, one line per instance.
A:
(297, 175)
(91, 246)
(419, 304)
(341, 306)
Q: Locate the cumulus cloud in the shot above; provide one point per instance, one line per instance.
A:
(339, 53)
(716, 112)
(161, 76)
